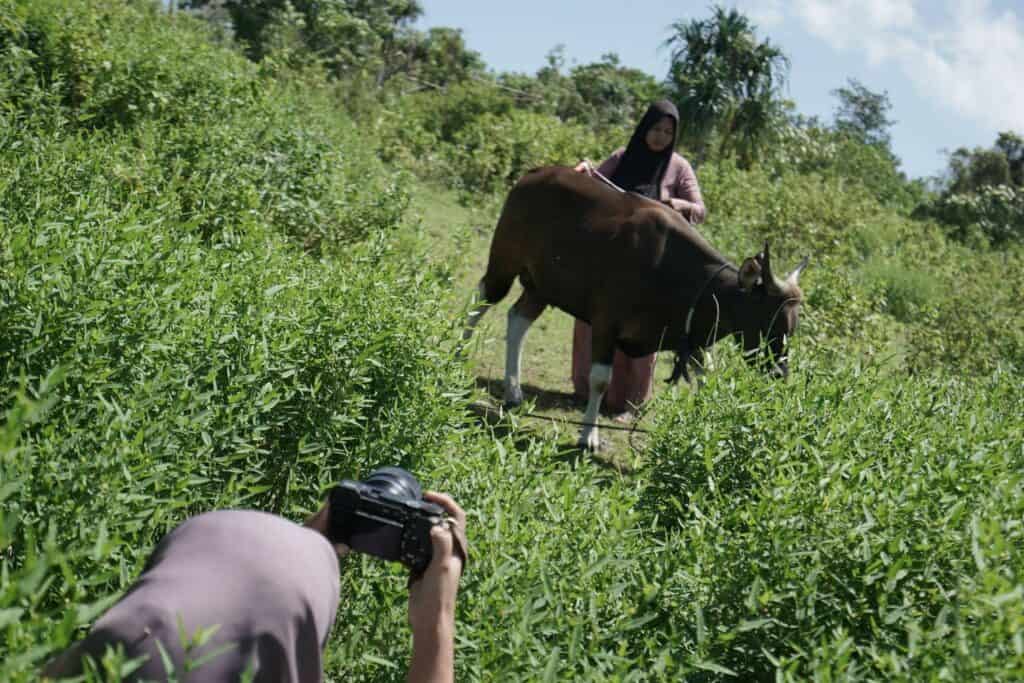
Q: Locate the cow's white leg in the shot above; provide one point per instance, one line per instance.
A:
(600, 376)
(518, 324)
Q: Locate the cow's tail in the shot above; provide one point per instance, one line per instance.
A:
(679, 368)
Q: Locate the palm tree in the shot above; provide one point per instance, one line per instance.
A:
(725, 83)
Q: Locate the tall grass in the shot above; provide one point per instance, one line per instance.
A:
(208, 299)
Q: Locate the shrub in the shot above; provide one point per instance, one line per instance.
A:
(494, 152)
(476, 139)
(195, 378)
(992, 214)
(907, 291)
(862, 167)
(115, 64)
(228, 150)
(850, 525)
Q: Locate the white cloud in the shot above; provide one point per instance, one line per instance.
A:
(870, 24)
(967, 56)
(764, 13)
(978, 65)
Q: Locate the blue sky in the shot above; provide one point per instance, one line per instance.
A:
(953, 69)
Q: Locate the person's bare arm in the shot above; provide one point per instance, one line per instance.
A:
(432, 602)
(66, 665)
(318, 521)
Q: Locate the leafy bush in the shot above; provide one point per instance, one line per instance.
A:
(165, 346)
(226, 149)
(198, 377)
(495, 151)
(992, 214)
(474, 139)
(907, 291)
(860, 167)
(118, 65)
(849, 525)
(973, 328)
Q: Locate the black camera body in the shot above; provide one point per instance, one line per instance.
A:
(385, 516)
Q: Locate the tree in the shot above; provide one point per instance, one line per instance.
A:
(725, 83)
(983, 195)
(971, 170)
(1012, 147)
(440, 56)
(863, 114)
(610, 94)
(345, 34)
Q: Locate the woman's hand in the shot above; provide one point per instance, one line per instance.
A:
(584, 167)
(680, 206)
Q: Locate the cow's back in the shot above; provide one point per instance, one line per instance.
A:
(576, 241)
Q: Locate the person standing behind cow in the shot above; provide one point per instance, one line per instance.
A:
(648, 165)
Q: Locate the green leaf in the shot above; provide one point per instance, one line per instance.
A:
(10, 616)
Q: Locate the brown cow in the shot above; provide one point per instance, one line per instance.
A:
(636, 271)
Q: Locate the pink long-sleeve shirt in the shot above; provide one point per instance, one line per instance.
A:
(679, 186)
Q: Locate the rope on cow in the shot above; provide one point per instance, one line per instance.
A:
(632, 428)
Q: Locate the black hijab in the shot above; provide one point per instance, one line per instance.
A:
(641, 170)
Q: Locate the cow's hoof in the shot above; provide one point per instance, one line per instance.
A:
(513, 398)
(590, 444)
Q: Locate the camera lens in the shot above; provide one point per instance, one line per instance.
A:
(396, 482)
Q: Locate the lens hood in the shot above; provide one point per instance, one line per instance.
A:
(395, 481)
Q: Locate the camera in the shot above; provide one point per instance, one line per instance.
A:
(385, 516)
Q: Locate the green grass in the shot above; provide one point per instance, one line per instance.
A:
(204, 310)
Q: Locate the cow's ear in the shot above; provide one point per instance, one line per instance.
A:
(750, 273)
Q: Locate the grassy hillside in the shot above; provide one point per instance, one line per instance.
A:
(218, 289)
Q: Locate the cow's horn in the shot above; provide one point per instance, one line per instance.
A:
(770, 281)
(795, 275)
(766, 274)
(766, 261)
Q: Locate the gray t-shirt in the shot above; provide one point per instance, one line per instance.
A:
(270, 586)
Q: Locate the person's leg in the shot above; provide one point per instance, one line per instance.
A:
(642, 376)
(631, 384)
(581, 354)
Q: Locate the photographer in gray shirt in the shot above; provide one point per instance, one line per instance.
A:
(269, 587)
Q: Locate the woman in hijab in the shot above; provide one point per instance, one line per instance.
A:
(648, 165)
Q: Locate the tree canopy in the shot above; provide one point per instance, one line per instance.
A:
(863, 114)
(726, 83)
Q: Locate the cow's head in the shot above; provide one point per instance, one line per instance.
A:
(772, 315)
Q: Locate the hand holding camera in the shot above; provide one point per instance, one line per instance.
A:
(388, 516)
